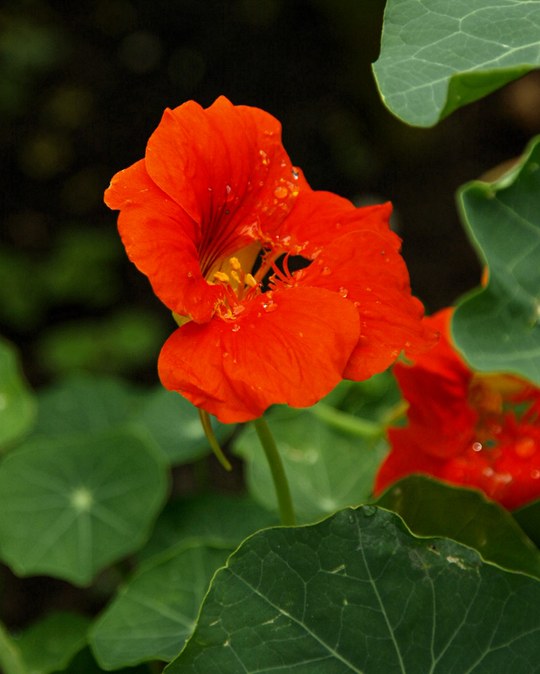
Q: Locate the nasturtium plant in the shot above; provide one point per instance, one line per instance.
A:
(497, 327)
(440, 55)
(380, 511)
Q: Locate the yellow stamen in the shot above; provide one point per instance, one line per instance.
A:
(235, 263)
(250, 281)
(221, 276)
(235, 276)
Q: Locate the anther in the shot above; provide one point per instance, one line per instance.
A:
(235, 263)
(250, 281)
(221, 276)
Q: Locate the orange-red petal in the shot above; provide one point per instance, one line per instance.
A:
(289, 349)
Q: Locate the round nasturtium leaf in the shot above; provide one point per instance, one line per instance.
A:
(497, 327)
(359, 593)
(17, 406)
(71, 505)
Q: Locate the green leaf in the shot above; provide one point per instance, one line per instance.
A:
(329, 465)
(440, 55)
(49, 645)
(497, 328)
(85, 403)
(17, 406)
(432, 508)
(156, 611)
(358, 593)
(224, 519)
(11, 661)
(528, 519)
(73, 505)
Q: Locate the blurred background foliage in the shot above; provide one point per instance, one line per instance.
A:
(82, 85)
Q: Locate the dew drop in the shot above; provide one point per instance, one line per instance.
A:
(369, 290)
(525, 448)
(326, 271)
(235, 327)
(190, 274)
(477, 447)
(535, 474)
(295, 174)
(281, 192)
(407, 344)
(369, 511)
(269, 306)
(343, 291)
(228, 189)
(264, 157)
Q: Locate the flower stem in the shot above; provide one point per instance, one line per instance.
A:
(281, 485)
(212, 440)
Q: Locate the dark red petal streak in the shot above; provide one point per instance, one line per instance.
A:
(159, 239)
(227, 168)
(294, 354)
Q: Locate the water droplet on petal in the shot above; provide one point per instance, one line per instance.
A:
(343, 292)
(235, 327)
(535, 474)
(326, 271)
(228, 189)
(477, 447)
(525, 447)
(190, 274)
(264, 157)
(281, 192)
(295, 174)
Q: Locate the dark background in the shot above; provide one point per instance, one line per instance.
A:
(84, 84)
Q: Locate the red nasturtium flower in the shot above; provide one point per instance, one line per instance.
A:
(218, 218)
(468, 428)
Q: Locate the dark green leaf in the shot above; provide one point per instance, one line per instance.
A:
(432, 508)
(440, 55)
(72, 505)
(211, 518)
(358, 593)
(498, 327)
(17, 405)
(156, 611)
(528, 519)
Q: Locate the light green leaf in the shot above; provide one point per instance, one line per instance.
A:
(439, 55)
(156, 611)
(17, 406)
(86, 403)
(432, 508)
(73, 505)
(358, 593)
(11, 661)
(497, 328)
(224, 519)
(329, 465)
(50, 644)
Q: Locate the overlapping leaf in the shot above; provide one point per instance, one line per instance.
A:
(358, 593)
(498, 327)
(439, 55)
(432, 508)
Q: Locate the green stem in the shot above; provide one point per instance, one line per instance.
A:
(212, 440)
(281, 485)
